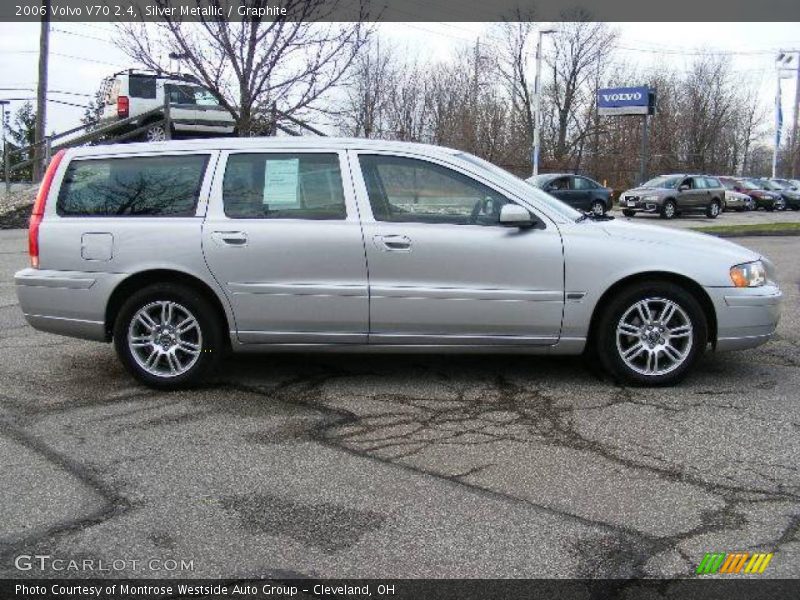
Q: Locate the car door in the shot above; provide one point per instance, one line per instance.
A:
(582, 190)
(282, 238)
(700, 193)
(561, 188)
(442, 270)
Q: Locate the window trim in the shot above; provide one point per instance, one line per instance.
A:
(365, 206)
(209, 163)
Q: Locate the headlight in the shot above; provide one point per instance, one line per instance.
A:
(650, 198)
(752, 274)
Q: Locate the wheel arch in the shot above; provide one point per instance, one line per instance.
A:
(144, 278)
(687, 283)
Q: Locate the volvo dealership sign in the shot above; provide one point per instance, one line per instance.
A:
(626, 101)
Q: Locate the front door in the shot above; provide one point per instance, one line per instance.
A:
(442, 270)
(282, 238)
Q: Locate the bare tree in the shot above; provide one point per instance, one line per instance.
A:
(579, 46)
(291, 61)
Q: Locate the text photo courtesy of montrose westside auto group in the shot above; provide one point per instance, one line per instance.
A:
(333, 299)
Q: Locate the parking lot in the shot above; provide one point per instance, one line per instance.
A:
(398, 466)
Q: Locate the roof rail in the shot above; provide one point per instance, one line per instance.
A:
(156, 73)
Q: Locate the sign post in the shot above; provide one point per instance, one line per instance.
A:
(625, 101)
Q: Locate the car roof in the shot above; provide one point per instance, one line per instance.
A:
(316, 143)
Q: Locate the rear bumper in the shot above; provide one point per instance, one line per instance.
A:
(71, 303)
(746, 317)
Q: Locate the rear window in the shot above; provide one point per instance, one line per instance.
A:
(712, 183)
(157, 186)
(141, 86)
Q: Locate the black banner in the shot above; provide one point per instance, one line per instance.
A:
(744, 588)
(398, 10)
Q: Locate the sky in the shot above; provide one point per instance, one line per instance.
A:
(83, 53)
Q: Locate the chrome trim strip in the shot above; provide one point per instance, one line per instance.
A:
(299, 289)
(434, 293)
(63, 280)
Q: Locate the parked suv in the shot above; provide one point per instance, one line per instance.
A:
(672, 195)
(577, 191)
(193, 109)
(180, 251)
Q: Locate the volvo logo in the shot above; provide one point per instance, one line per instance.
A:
(622, 96)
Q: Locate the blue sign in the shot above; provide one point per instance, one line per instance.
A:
(624, 101)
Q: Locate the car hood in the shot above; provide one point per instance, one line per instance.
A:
(647, 190)
(695, 243)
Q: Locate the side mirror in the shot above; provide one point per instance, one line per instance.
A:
(683, 187)
(737, 189)
(513, 215)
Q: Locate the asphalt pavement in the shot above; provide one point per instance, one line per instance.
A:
(395, 466)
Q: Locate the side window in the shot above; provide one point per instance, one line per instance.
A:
(408, 190)
(712, 183)
(688, 183)
(180, 94)
(562, 183)
(157, 186)
(581, 183)
(698, 183)
(283, 186)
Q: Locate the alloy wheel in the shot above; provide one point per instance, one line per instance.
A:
(654, 336)
(165, 339)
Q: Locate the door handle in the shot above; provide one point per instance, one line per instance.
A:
(393, 243)
(230, 238)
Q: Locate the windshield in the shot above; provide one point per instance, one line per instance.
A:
(771, 185)
(728, 184)
(663, 182)
(749, 185)
(539, 197)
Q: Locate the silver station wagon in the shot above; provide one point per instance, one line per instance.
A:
(179, 252)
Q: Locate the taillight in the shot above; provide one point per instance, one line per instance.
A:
(38, 208)
(123, 107)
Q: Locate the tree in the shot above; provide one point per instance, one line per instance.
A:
(580, 47)
(21, 133)
(292, 61)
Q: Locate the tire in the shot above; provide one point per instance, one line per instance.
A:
(646, 344)
(629, 213)
(196, 350)
(780, 204)
(598, 208)
(713, 210)
(155, 133)
(669, 210)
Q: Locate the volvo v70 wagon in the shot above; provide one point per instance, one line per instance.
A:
(178, 252)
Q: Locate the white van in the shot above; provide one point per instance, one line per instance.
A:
(193, 109)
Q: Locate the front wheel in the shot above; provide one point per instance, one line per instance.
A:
(651, 334)
(713, 210)
(669, 210)
(598, 208)
(168, 336)
(629, 213)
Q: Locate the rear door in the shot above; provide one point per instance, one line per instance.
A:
(283, 239)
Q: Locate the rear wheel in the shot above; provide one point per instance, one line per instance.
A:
(155, 133)
(713, 210)
(651, 334)
(168, 336)
(669, 210)
(628, 213)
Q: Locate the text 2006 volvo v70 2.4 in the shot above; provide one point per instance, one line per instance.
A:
(180, 251)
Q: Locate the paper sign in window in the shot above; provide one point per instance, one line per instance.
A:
(280, 182)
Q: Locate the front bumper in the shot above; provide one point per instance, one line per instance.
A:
(746, 317)
(640, 205)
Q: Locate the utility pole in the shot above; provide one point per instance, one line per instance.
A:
(537, 113)
(6, 161)
(41, 94)
(794, 157)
